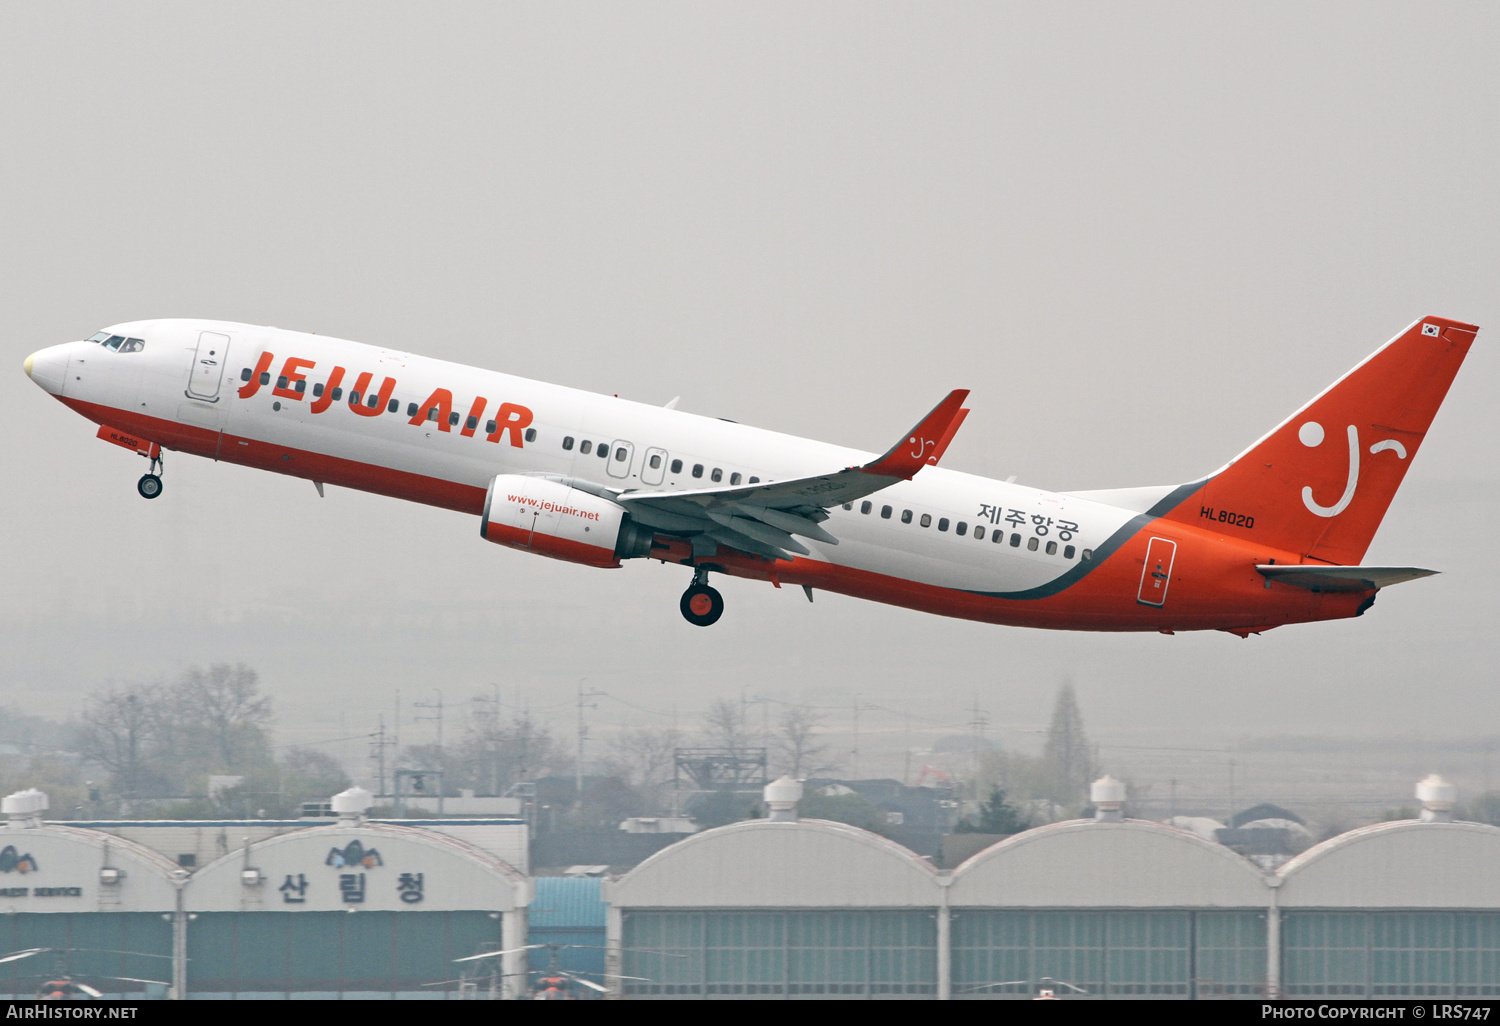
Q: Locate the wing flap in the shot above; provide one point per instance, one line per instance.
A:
(1341, 578)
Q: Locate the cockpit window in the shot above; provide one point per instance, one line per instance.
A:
(113, 342)
(99, 337)
(135, 345)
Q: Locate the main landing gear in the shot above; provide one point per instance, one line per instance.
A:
(150, 483)
(701, 605)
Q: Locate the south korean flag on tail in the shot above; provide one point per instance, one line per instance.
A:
(1430, 329)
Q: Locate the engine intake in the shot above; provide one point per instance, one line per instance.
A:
(554, 519)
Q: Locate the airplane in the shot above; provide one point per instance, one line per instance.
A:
(1273, 537)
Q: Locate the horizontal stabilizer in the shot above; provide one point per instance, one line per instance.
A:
(1342, 578)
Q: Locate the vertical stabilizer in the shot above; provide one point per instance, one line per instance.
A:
(1320, 483)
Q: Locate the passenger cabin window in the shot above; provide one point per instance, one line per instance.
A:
(753, 480)
(603, 451)
(943, 524)
(302, 387)
(1068, 551)
(1015, 541)
(432, 412)
(676, 466)
(717, 475)
(246, 374)
(620, 454)
(1052, 548)
(961, 528)
(654, 461)
(338, 392)
(281, 381)
(411, 408)
(926, 519)
(453, 419)
(530, 434)
(489, 427)
(318, 391)
(697, 470)
(265, 378)
(585, 447)
(734, 479)
(866, 506)
(978, 533)
(998, 537)
(132, 345)
(374, 401)
(567, 442)
(906, 516)
(471, 423)
(848, 505)
(354, 397)
(885, 512)
(391, 407)
(1031, 544)
(1086, 555)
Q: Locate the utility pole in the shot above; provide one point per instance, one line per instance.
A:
(379, 744)
(582, 733)
(1231, 795)
(437, 715)
(494, 734)
(978, 723)
(855, 760)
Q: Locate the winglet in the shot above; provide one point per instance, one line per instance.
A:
(924, 444)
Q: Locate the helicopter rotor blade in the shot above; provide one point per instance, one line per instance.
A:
(580, 980)
(16, 956)
(496, 954)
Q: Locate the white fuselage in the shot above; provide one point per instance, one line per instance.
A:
(156, 383)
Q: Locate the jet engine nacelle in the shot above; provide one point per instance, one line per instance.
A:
(554, 519)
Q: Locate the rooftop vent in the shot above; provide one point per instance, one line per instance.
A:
(1436, 796)
(1108, 796)
(782, 796)
(24, 808)
(352, 804)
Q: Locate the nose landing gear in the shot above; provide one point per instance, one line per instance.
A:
(701, 605)
(150, 483)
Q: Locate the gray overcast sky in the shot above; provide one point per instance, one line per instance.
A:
(1140, 233)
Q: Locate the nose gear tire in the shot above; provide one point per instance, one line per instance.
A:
(701, 605)
(149, 486)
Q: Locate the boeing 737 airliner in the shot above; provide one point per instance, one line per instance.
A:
(1274, 537)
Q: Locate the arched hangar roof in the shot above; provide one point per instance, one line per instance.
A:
(760, 864)
(453, 874)
(1088, 864)
(54, 868)
(1403, 864)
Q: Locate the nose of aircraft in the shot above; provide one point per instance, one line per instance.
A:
(48, 368)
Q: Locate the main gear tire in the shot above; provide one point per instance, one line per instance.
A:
(149, 486)
(702, 606)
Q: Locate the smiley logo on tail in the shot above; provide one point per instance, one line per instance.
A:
(1311, 435)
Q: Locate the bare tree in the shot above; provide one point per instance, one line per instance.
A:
(796, 743)
(224, 706)
(495, 755)
(118, 731)
(724, 723)
(645, 754)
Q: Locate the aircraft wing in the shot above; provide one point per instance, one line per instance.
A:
(1341, 578)
(762, 518)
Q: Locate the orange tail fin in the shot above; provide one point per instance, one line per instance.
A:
(1320, 483)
